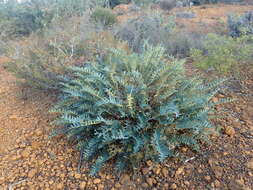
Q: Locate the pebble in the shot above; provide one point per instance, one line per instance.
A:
(150, 181)
(145, 171)
(165, 172)
(125, 179)
(179, 171)
(32, 173)
(60, 186)
(229, 131)
(250, 164)
(173, 186)
(96, 181)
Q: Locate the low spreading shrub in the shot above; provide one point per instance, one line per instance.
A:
(133, 107)
(224, 54)
(240, 25)
(104, 16)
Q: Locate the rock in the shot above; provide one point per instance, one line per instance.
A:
(187, 183)
(149, 163)
(145, 171)
(32, 173)
(173, 186)
(14, 117)
(215, 100)
(179, 171)
(97, 181)
(60, 186)
(117, 185)
(250, 164)
(150, 181)
(78, 176)
(38, 132)
(144, 185)
(125, 179)
(157, 170)
(207, 178)
(217, 183)
(218, 171)
(229, 131)
(165, 172)
(25, 153)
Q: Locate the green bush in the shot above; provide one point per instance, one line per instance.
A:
(223, 54)
(133, 107)
(104, 16)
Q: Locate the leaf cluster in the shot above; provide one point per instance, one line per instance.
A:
(132, 107)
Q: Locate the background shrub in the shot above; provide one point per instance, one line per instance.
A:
(104, 16)
(225, 55)
(240, 25)
(151, 26)
(157, 29)
(41, 59)
(133, 107)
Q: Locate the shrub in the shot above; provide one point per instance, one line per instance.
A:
(41, 59)
(151, 27)
(104, 16)
(133, 107)
(240, 25)
(157, 29)
(168, 4)
(223, 54)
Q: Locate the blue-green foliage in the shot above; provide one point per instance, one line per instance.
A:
(134, 107)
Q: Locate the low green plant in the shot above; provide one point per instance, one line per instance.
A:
(224, 54)
(104, 16)
(133, 107)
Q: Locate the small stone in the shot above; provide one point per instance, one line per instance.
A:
(184, 149)
(173, 186)
(150, 181)
(145, 185)
(38, 132)
(179, 171)
(229, 131)
(60, 186)
(32, 173)
(149, 163)
(14, 117)
(217, 183)
(117, 185)
(51, 182)
(25, 153)
(207, 178)
(145, 171)
(215, 100)
(96, 181)
(78, 176)
(187, 183)
(157, 171)
(165, 172)
(218, 171)
(250, 164)
(125, 179)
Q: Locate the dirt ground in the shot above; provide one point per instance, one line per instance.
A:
(30, 160)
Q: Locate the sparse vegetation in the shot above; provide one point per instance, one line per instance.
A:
(127, 90)
(224, 54)
(104, 16)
